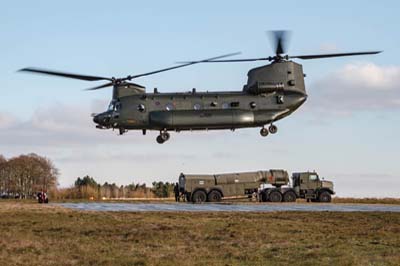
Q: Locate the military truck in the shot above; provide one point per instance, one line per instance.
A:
(306, 185)
(271, 185)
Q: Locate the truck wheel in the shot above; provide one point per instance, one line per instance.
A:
(263, 197)
(275, 196)
(199, 196)
(289, 196)
(214, 196)
(325, 197)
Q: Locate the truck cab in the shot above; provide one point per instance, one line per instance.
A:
(310, 186)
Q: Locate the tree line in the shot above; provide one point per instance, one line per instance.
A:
(88, 188)
(25, 175)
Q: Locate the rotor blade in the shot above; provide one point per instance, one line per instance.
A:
(135, 84)
(305, 57)
(279, 40)
(231, 60)
(179, 66)
(62, 74)
(100, 87)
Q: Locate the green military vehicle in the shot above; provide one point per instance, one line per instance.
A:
(271, 185)
(305, 185)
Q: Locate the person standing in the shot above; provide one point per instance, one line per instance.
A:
(176, 191)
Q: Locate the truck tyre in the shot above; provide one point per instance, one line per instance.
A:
(214, 196)
(325, 196)
(275, 196)
(289, 196)
(199, 196)
(263, 196)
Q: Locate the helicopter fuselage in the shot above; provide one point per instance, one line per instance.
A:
(272, 92)
(199, 110)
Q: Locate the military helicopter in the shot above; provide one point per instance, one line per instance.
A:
(272, 92)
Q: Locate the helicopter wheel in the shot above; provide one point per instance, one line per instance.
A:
(159, 139)
(273, 129)
(264, 132)
(165, 135)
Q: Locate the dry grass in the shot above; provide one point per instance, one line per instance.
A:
(367, 200)
(33, 234)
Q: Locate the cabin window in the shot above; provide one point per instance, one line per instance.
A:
(253, 105)
(225, 105)
(313, 177)
(214, 104)
(169, 107)
(141, 108)
(235, 104)
(197, 106)
(118, 106)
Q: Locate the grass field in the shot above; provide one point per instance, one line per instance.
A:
(33, 234)
(239, 200)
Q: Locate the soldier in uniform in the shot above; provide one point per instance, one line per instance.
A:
(176, 191)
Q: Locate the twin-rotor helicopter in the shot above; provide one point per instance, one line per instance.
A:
(272, 92)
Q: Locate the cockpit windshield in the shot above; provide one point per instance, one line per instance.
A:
(114, 106)
(111, 107)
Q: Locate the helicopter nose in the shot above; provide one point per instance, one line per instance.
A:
(96, 119)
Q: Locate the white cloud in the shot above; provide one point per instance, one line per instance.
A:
(7, 120)
(357, 87)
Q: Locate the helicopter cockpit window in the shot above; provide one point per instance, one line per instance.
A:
(141, 108)
(118, 106)
(279, 99)
(111, 107)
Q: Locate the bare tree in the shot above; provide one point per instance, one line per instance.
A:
(24, 175)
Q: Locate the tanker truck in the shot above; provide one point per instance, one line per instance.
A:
(270, 185)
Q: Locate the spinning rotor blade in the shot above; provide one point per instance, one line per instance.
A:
(63, 74)
(231, 60)
(182, 65)
(279, 40)
(109, 84)
(113, 81)
(306, 57)
(135, 84)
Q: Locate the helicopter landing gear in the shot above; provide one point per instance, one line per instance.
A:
(163, 137)
(122, 131)
(273, 129)
(264, 132)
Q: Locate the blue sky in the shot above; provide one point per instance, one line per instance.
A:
(347, 130)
